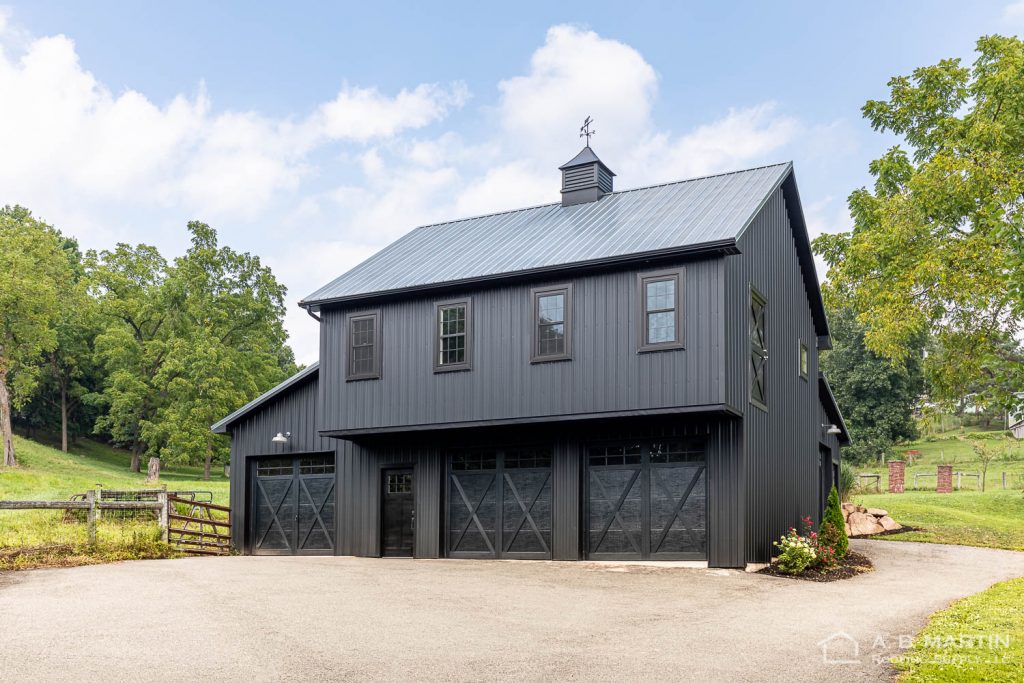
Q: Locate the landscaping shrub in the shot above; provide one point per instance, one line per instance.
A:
(833, 527)
(796, 553)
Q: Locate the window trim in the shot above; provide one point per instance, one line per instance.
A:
(377, 343)
(803, 349)
(467, 364)
(756, 295)
(535, 294)
(677, 274)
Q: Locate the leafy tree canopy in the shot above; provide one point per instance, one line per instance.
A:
(938, 243)
(876, 396)
(33, 272)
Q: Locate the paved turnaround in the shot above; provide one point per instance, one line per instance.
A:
(330, 618)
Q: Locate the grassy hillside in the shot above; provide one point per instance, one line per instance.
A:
(45, 473)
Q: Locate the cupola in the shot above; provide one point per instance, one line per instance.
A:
(585, 178)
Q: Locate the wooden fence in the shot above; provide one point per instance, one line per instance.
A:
(198, 531)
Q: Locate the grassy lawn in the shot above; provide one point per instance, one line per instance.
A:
(45, 473)
(990, 623)
(994, 519)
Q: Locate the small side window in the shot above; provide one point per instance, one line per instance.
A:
(661, 322)
(364, 346)
(552, 324)
(758, 350)
(805, 359)
(454, 339)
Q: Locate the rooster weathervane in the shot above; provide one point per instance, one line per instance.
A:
(585, 131)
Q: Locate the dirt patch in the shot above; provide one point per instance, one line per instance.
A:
(854, 564)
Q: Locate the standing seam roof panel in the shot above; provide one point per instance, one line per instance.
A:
(674, 215)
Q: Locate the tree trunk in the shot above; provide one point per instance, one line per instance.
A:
(63, 417)
(136, 446)
(153, 472)
(206, 464)
(5, 421)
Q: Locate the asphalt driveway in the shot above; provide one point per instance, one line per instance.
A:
(268, 619)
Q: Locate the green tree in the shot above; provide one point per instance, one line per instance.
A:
(877, 397)
(69, 367)
(33, 276)
(133, 313)
(228, 346)
(938, 243)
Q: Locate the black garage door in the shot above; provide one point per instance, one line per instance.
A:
(499, 503)
(647, 501)
(293, 506)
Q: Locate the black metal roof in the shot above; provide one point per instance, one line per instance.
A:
(586, 156)
(309, 372)
(828, 401)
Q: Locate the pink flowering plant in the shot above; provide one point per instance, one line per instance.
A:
(799, 552)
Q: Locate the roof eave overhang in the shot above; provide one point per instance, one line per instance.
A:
(828, 399)
(719, 410)
(725, 247)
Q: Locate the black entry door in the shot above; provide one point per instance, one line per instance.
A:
(499, 503)
(398, 520)
(647, 501)
(293, 506)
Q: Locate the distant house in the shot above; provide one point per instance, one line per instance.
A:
(620, 375)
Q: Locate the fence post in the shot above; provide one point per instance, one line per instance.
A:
(90, 497)
(99, 498)
(1004, 481)
(959, 480)
(163, 514)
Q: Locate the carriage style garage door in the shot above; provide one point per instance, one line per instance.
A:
(647, 501)
(499, 503)
(293, 506)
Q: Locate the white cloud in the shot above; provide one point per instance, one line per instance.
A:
(1013, 13)
(364, 113)
(349, 173)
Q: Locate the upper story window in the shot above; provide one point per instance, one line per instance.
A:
(758, 350)
(805, 359)
(453, 346)
(661, 326)
(364, 346)
(552, 323)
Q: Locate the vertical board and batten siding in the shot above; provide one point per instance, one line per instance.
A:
(780, 467)
(293, 411)
(606, 373)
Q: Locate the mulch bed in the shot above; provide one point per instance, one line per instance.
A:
(854, 564)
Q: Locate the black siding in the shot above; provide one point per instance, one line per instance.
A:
(606, 373)
(780, 464)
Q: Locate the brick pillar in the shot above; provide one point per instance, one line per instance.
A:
(897, 468)
(944, 480)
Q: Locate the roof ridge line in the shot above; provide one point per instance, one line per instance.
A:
(631, 189)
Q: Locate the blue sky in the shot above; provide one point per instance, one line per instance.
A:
(313, 134)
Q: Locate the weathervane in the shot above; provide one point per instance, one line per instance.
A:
(585, 131)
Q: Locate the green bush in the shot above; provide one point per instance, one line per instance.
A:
(833, 527)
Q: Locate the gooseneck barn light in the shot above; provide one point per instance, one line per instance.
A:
(282, 438)
(832, 429)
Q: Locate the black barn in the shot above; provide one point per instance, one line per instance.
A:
(622, 375)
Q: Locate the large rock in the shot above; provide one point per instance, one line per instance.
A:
(847, 525)
(863, 524)
(889, 524)
(877, 512)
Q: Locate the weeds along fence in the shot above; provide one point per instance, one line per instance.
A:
(187, 520)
